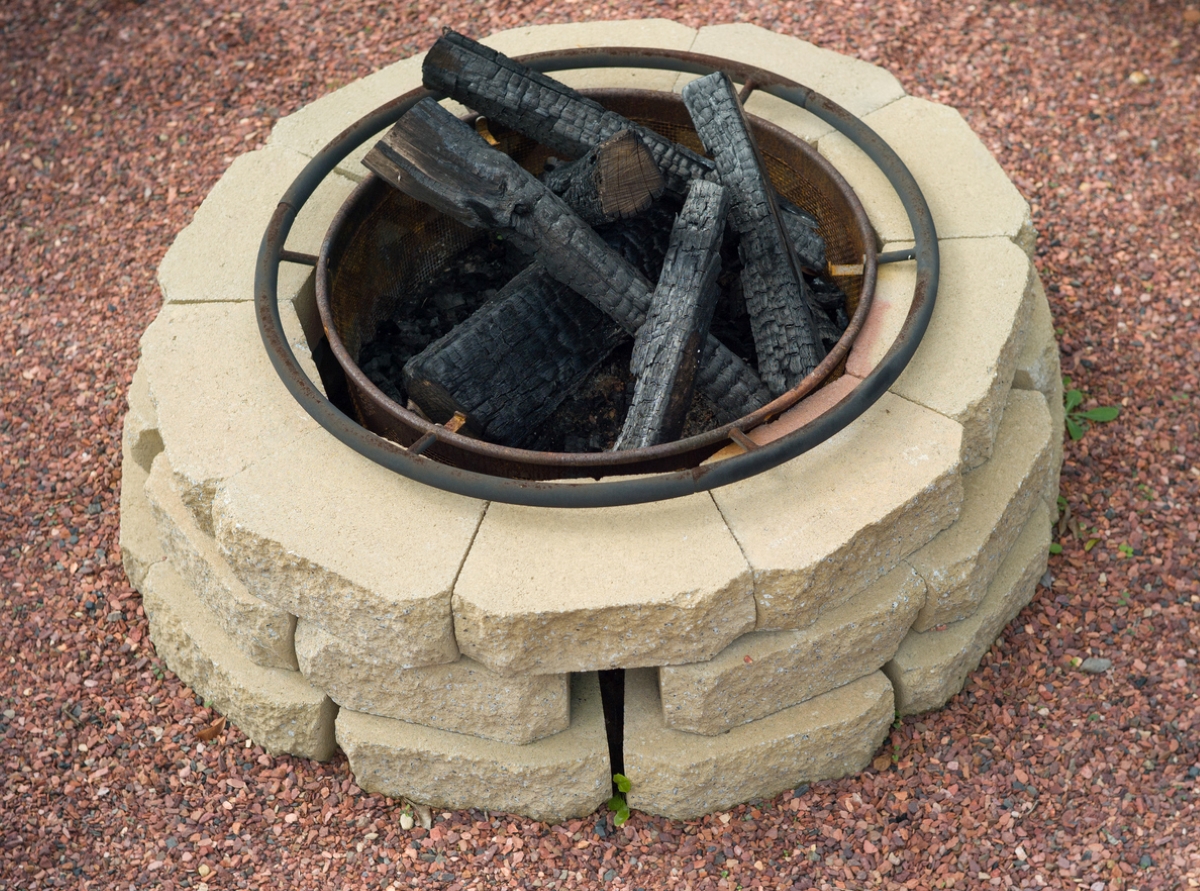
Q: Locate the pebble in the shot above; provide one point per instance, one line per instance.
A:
(1095, 665)
(406, 822)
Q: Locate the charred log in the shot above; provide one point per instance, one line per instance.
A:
(666, 351)
(785, 336)
(436, 158)
(616, 180)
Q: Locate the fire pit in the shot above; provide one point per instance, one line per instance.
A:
(857, 552)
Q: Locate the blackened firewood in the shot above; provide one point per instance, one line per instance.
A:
(544, 109)
(512, 362)
(434, 157)
(616, 180)
(785, 337)
(666, 351)
(801, 230)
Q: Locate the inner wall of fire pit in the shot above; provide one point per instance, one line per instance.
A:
(384, 248)
(770, 629)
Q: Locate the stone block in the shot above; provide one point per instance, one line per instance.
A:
(894, 290)
(264, 633)
(137, 536)
(857, 86)
(1038, 368)
(301, 321)
(965, 364)
(932, 666)
(654, 33)
(219, 402)
(213, 259)
(824, 526)
(764, 672)
(547, 591)
(461, 696)
(139, 434)
(277, 709)
(556, 778)
(998, 498)
(367, 554)
(968, 193)
(683, 775)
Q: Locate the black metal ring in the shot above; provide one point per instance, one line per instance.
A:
(642, 489)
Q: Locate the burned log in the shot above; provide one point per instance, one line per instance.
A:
(544, 109)
(785, 337)
(436, 158)
(801, 231)
(616, 180)
(666, 351)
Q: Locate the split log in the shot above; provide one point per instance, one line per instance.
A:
(544, 109)
(436, 158)
(666, 351)
(616, 180)
(785, 336)
(801, 231)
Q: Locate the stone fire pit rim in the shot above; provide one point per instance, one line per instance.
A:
(620, 491)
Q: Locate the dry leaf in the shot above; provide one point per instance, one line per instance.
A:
(212, 731)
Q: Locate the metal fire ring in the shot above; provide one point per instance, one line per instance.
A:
(652, 487)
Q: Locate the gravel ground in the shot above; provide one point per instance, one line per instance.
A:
(119, 117)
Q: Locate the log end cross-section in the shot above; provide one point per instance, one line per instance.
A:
(616, 180)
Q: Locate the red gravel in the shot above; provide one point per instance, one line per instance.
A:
(117, 120)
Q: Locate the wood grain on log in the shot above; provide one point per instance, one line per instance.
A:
(666, 351)
(616, 180)
(544, 109)
(434, 157)
(785, 336)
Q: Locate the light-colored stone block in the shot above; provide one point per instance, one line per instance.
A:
(556, 778)
(213, 259)
(857, 86)
(277, 709)
(931, 667)
(683, 775)
(824, 526)
(764, 672)
(139, 434)
(367, 554)
(301, 321)
(219, 402)
(968, 193)
(998, 498)
(264, 633)
(461, 696)
(137, 536)
(966, 361)
(653, 33)
(895, 287)
(1039, 368)
(546, 591)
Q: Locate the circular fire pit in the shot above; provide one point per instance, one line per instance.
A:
(449, 645)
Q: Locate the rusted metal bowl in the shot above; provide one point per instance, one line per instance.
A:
(383, 247)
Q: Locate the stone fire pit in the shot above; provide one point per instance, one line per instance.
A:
(450, 646)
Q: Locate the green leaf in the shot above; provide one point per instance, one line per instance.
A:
(1091, 543)
(1072, 399)
(1126, 550)
(622, 782)
(616, 803)
(1055, 548)
(621, 816)
(1075, 429)
(1106, 413)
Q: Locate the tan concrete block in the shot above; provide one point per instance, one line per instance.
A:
(931, 667)
(219, 402)
(655, 33)
(264, 633)
(966, 361)
(556, 778)
(139, 434)
(1038, 363)
(998, 498)
(546, 591)
(277, 709)
(301, 321)
(824, 526)
(683, 775)
(894, 291)
(968, 193)
(213, 259)
(858, 86)
(461, 696)
(137, 536)
(365, 553)
(765, 672)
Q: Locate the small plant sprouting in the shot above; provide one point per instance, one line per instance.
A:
(1126, 550)
(1078, 421)
(617, 804)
